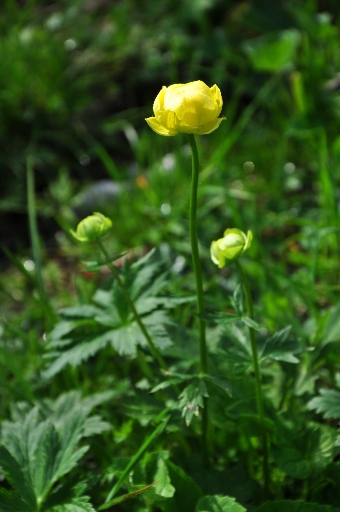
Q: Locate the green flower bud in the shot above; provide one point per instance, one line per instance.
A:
(230, 247)
(92, 227)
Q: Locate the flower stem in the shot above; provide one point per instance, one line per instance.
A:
(199, 286)
(34, 235)
(128, 299)
(258, 379)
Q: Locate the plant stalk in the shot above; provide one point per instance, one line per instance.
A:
(136, 315)
(199, 286)
(258, 379)
(35, 241)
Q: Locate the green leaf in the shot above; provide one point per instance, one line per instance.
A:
(218, 504)
(303, 450)
(249, 322)
(279, 348)
(187, 492)
(273, 52)
(221, 318)
(332, 330)
(18, 477)
(292, 506)
(93, 266)
(112, 314)
(10, 502)
(95, 425)
(133, 462)
(82, 311)
(238, 348)
(42, 445)
(78, 504)
(328, 403)
(237, 300)
(328, 491)
(77, 354)
(191, 399)
(163, 485)
(222, 384)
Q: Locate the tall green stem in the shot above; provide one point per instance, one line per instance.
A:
(258, 379)
(199, 285)
(128, 299)
(34, 235)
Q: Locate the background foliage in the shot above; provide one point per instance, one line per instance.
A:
(76, 81)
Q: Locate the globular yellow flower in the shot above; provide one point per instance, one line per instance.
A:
(92, 227)
(230, 247)
(187, 108)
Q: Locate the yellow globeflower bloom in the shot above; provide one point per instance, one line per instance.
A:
(187, 108)
(230, 247)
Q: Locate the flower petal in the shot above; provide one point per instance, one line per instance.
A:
(189, 101)
(214, 251)
(210, 127)
(248, 239)
(158, 128)
(158, 104)
(168, 119)
(216, 94)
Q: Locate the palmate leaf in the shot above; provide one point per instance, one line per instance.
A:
(42, 446)
(304, 450)
(328, 491)
(10, 502)
(77, 354)
(18, 477)
(191, 399)
(328, 403)
(218, 504)
(332, 330)
(152, 468)
(82, 311)
(124, 340)
(237, 300)
(78, 504)
(279, 348)
(112, 322)
(237, 348)
(187, 492)
(227, 318)
(163, 486)
(142, 273)
(95, 425)
(44, 454)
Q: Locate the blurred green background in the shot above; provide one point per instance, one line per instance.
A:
(77, 79)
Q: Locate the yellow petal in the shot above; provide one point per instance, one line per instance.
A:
(158, 128)
(210, 127)
(189, 99)
(168, 119)
(158, 104)
(186, 128)
(188, 113)
(217, 96)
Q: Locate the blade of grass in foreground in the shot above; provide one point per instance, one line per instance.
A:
(108, 502)
(34, 234)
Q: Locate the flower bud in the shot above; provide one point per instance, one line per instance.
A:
(230, 247)
(187, 108)
(92, 227)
